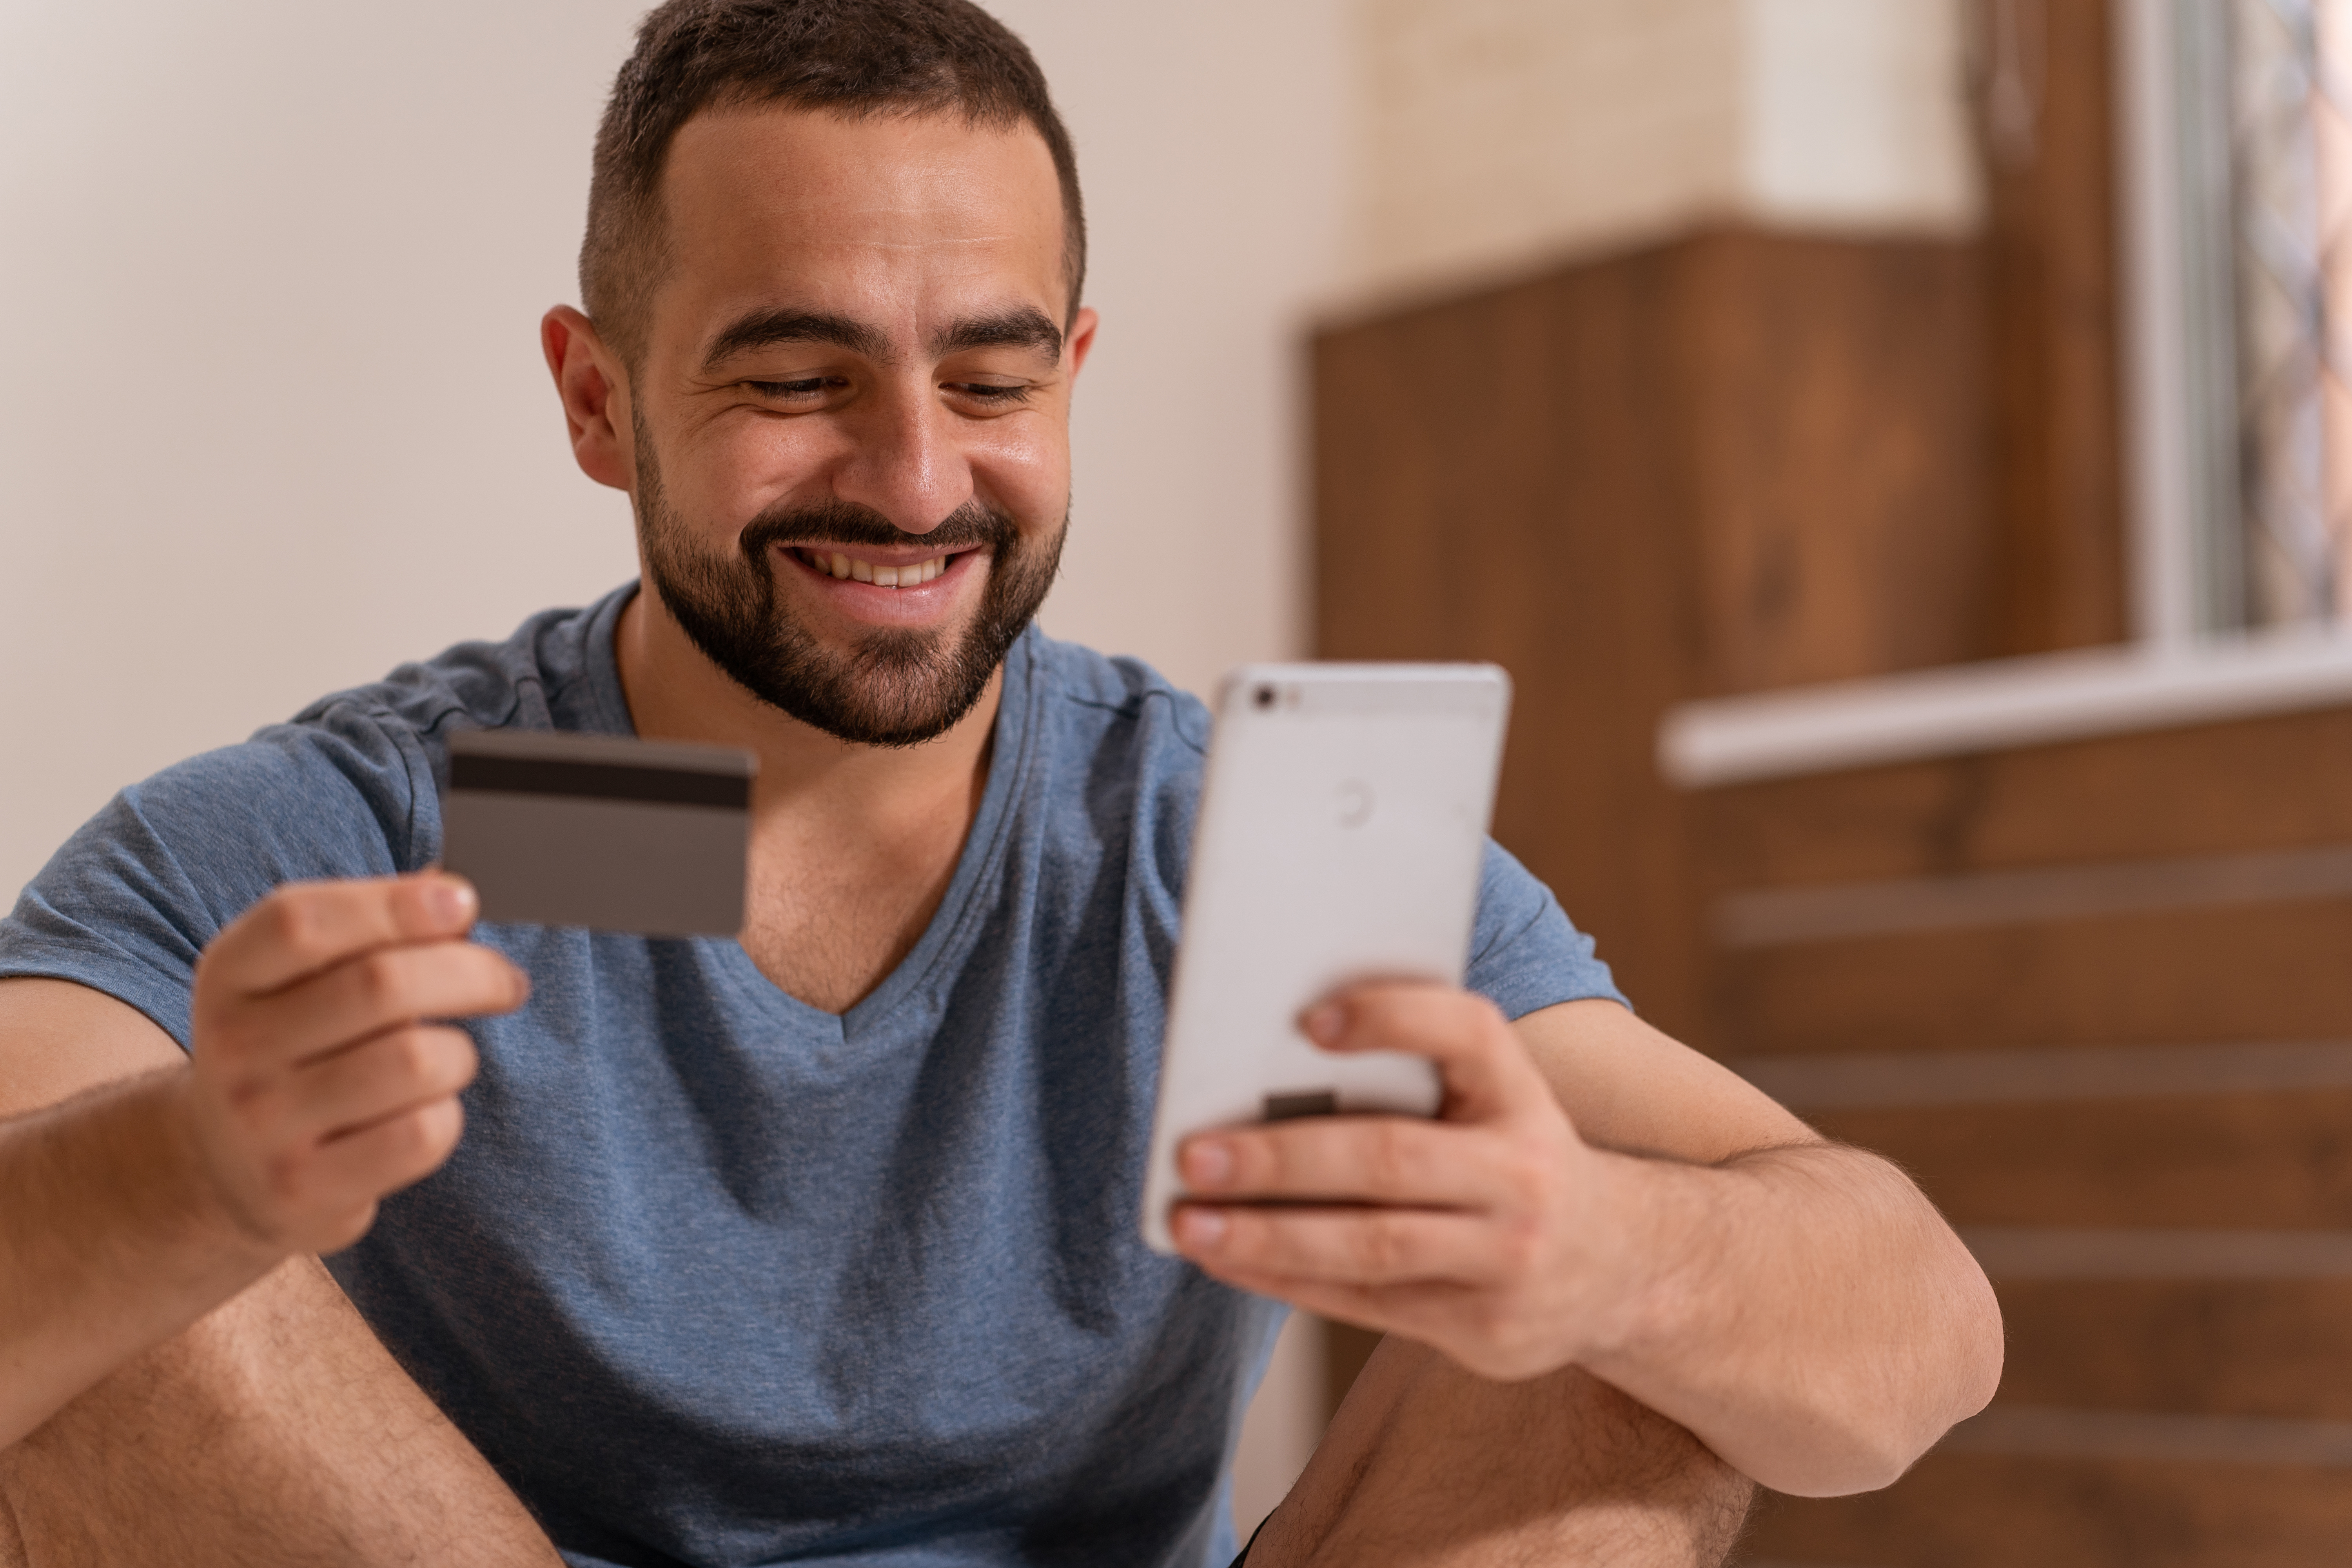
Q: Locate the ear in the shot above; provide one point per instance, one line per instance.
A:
(595, 390)
(1081, 339)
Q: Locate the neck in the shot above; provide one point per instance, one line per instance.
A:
(675, 693)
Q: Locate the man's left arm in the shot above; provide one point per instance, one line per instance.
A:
(1595, 1194)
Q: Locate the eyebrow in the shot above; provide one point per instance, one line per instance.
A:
(762, 329)
(1023, 326)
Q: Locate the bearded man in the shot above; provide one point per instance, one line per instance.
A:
(820, 1246)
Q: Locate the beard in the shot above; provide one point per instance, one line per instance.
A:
(893, 685)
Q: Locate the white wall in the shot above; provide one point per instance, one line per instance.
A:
(1499, 134)
(1855, 116)
(1502, 136)
(274, 417)
(1213, 143)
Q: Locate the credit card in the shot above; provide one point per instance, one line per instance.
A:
(645, 836)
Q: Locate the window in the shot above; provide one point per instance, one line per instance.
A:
(2242, 145)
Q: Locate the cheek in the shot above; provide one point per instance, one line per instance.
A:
(1026, 469)
(739, 466)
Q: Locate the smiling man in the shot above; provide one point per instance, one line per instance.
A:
(821, 1245)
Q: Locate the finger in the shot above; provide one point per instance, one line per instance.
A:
(1340, 1245)
(1486, 1071)
(374, 1081)
(368, 995)
(328, 1194)
(371, 1162)
(1356, 1159)
(304, 927)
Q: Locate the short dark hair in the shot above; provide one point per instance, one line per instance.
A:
(849, 57)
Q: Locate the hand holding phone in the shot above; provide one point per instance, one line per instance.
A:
(1342, 828)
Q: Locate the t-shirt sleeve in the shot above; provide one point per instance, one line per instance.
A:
(1524, 953)
(131, 899)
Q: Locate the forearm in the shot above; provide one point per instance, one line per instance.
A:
(1800, 1307)
(1804, 1310)
(111, 1241)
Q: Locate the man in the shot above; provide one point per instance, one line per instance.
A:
(821, 1245)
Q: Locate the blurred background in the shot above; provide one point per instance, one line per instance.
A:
(1902, 448)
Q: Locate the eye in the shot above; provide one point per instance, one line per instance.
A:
(990, 392)
(787, 391)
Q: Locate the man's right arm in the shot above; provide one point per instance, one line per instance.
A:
(108, 1238)
(144, 1194)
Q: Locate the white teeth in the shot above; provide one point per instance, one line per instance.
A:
(912, 575)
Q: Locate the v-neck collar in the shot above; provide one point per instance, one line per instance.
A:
(953, 923)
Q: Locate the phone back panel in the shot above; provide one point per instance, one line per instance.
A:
(1341, 827)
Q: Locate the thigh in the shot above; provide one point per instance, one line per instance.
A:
(275, 1430)
(1426, 1464)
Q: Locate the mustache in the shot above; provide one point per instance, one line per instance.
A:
(840, 521)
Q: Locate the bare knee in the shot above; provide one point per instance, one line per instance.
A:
(275, 1430)
(116, 1475)
(1426, 1463)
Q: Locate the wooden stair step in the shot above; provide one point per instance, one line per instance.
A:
(2243, 784)
(2237, 1347)
(1992, 1510)
(2263, 972)
(2275, 1160)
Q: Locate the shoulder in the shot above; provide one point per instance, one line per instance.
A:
(540, 678)
(1121, 753)
(1114, 723)
(1114, 700)
(345, 788)
(1524, 955)
(379, 748)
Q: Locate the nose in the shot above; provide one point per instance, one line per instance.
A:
(904, 461)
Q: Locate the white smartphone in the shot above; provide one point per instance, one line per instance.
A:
(1342, 823)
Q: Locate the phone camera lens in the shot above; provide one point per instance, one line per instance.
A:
(1265, 696)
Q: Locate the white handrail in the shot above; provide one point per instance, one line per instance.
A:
(2037, 700)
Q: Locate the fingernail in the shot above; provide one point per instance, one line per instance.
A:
(1199, 1228)
(1325, 1023)
(451, 900)
(1208, 1162)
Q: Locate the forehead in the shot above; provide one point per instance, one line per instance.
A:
(900, 220)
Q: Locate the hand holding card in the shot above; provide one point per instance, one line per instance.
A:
(622, 835)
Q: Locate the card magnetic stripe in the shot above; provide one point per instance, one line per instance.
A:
(599, 780)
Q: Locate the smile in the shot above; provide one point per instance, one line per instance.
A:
(913, 574)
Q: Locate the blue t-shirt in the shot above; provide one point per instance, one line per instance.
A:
(715, 1277)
